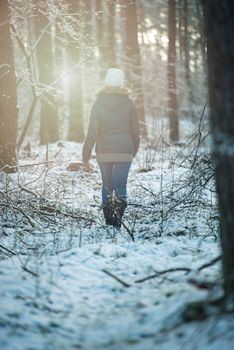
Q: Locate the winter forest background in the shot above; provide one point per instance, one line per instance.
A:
(165, 281)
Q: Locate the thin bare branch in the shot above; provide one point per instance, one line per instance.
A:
(125, 284)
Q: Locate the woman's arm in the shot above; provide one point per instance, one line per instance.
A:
(91, 136)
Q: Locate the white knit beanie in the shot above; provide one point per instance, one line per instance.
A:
(114, 77)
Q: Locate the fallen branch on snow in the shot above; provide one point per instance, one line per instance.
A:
(125, 284)
(173, 269)
(7, 250)
(176, 269)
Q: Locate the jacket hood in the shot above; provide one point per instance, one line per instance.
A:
(109, 90)
(111, 98)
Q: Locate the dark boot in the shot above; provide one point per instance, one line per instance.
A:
(119, 207)
(108, 214)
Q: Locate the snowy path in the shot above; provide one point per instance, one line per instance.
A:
(61, 299)
(71, 303)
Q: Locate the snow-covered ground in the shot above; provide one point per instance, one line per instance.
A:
(56, 288)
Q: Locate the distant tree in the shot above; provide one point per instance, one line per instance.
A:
(111, 55)
(88, 27)
(187, 54)
(99, 15)
(8, 96)
(201, 31)
(75, 103)
(220, 43)
(49, 114)
(171, 72)
(105, 14)
(180, 29)
(134, 59)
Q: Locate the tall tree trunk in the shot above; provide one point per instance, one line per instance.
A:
(49, 115)
(171, 73)
(8, 96)
(181, 26)
(88, 28)
(133, 55)
(111, 59)
(76, 121)
(202, 40)
(220, 40)
(105, 32)
(100, 30)
(187, 55)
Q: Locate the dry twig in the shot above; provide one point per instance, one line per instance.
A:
(125, 284)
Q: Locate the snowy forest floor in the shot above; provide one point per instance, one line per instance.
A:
(56, 254)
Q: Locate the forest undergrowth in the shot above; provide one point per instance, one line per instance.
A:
(70, 271)
(171, 192)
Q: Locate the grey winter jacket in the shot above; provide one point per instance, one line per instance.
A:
(113, 126)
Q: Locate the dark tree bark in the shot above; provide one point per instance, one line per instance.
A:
(76, 121)
(134, 59)
(220, 40)
(8, 96)
(49, 115)
(171, 72)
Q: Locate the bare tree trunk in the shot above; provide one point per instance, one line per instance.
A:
(181, 25)
(76, 121)
(201, 29)
(88, 28)
(100, 30)
(171, 72)
(8, 96)
(105, 32)
(220, 40)
(49, 115)
(187, 55)
(111, 59)
(133, 55)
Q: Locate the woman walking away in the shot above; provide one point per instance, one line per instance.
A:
(114, 128)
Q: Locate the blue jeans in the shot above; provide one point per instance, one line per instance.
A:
(114, 179)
